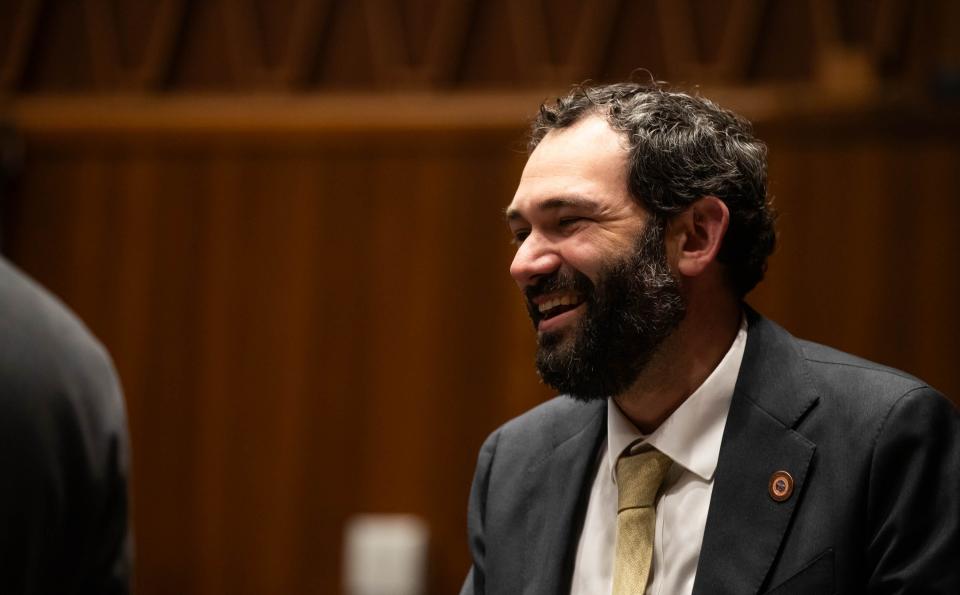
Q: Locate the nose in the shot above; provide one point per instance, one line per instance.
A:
(535, 257)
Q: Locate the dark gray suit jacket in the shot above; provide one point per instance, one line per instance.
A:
(874, 452)
(63, 451)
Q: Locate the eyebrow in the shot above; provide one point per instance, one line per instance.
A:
(552, 204)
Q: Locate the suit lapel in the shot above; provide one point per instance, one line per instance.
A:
(560, 486)
(745, 525)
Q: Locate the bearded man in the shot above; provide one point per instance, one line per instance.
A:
(698, 447)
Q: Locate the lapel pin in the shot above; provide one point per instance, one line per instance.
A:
(781, 486)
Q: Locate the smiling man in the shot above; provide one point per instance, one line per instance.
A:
(698, 447)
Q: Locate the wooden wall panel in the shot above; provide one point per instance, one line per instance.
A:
(314, 326)
(64, 46)
(306, 291)
(865, 262)
(303, 333)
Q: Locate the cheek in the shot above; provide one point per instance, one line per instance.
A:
(588, 262)
(591, 253)
(609, 242)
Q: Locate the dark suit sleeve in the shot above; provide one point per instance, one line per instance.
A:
(63, 451)
(475, 583)
(105, 540)
(914, 501)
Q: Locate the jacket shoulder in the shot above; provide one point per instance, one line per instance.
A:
(807, 385)
(833, 369)
(45, 345)
(52, 369)
(548, 424)
(62, 414)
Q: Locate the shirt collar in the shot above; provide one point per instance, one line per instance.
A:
(692, 434)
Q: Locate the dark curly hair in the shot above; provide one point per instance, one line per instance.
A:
(682, 148)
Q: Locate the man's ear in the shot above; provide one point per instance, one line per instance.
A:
(697, 233)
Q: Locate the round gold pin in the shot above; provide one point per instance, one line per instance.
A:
(781, 486)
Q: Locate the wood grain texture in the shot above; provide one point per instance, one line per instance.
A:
(55, 46)
(284, 219)
(311, 330)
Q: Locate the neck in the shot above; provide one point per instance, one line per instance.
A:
(683, 362)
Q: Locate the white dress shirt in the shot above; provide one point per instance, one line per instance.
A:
(691, 438)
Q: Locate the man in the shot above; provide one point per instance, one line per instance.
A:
(699, 448)
(63, 451)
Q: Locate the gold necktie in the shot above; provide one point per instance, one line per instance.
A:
(638, 479)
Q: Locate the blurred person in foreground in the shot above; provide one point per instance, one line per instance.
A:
(63, 451)
(698, 447)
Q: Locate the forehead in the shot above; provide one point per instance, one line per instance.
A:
(586, 160)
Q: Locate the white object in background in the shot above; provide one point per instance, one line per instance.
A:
(385, 554)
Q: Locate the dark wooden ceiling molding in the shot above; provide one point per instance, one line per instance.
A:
(738, 37)
(271, 114)
(888, 31)
(592, 38)
(840, 66)
(530, 42)
(739, 42)
(19, 46)
(247, 52)
(107, 58)
(289, 116)
(679, 41)
(826, 24)
(311, 20)
(588, 48)
(949, 47)
(390, 44)
(899, 42)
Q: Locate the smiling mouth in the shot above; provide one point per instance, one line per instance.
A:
(558, 304)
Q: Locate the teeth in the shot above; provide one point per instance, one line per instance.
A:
(564, 300)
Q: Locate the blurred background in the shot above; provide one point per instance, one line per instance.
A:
(284, 220)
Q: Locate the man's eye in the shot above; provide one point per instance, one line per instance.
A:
(568, 221)
(519, 236)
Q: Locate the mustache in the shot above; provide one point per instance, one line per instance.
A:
(559, 281)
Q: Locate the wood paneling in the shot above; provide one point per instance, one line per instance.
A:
(865, 261)
(284, 219)
(303, 332)
(320, 324)
(58, 46)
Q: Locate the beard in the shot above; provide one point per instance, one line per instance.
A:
(633, 307)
